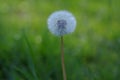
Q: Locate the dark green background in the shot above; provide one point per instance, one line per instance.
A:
(28, 51)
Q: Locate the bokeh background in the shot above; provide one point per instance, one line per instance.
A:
(28, 51)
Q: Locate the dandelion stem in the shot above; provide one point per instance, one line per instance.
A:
(62, 59)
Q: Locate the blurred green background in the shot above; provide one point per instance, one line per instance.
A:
(28, 51)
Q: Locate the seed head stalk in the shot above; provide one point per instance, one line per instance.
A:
(62, 59)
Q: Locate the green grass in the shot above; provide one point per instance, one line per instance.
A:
(28, 51)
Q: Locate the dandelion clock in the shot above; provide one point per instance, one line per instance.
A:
(59, 24)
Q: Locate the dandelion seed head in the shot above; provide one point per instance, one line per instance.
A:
(61, 22)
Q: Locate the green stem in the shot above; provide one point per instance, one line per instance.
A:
(62, 59)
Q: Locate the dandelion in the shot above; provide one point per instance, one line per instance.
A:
(59, 24)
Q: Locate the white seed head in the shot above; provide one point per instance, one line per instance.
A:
(61, 22)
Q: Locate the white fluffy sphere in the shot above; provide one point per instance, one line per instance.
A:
(61, 22)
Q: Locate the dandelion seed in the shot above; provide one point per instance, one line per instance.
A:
(61, 22)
